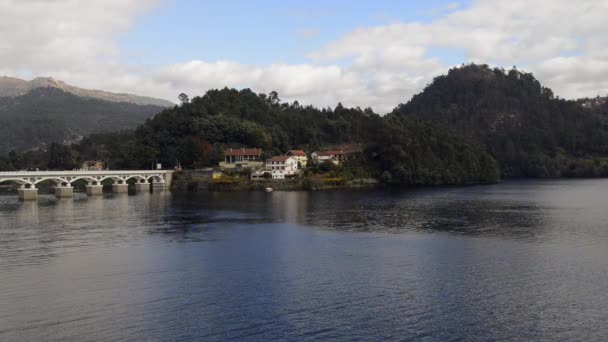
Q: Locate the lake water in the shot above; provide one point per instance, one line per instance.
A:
(523, 260)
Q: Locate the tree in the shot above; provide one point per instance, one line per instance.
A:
(61, 157)
(15, 159)
(273, 97)
(5, 164)
(183, 98)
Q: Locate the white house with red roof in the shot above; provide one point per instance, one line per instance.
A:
(242, 158)
(282, 167)
(319, 157)
(336, 156)
(300, 156)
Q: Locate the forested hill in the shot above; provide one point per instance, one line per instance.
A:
(405, 151)
(44, 115)
(230, 117)
(451, 133)
(521, 123)
(195, 134)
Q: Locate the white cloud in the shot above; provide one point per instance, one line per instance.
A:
(63, 34)
(562, 42)
(536, 36)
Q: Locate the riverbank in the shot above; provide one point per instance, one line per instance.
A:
(192, 181)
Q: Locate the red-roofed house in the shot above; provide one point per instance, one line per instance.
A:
(325, 157)
(337, 155)
(93, 165)
(281, 167)
(299, 155)
(241, 158)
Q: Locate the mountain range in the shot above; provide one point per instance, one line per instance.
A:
(37, 112)
(10, 87)
(473, 124)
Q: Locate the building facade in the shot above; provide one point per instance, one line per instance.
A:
(338, 155)
(242, 158)
(282, 167)
(334, 157)
(93, 165)
(300, 156)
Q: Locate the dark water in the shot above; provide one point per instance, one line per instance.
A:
(516, 261)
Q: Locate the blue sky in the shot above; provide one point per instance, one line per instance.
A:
(263, 32)
(360, 53)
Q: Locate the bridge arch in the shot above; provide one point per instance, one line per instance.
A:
(90, 179)
(136, 177)
(156, 178)
(55, 179)
(114, 178)
(16, 180)
(87, 178)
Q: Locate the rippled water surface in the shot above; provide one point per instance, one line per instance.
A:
(518, 261)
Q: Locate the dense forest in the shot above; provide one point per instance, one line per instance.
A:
(196, 133)
(473, 125)
(527, 129)
(44, 115)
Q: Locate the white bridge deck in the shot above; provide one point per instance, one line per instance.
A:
(64, 179)
(35, 177)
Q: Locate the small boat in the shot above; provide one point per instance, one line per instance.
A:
(269, 189)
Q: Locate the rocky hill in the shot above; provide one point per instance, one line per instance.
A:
(10, 87)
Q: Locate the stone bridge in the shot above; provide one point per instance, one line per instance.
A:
(159, 179)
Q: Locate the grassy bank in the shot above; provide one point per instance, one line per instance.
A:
(194, 181)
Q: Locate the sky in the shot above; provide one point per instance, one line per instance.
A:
(360, 53)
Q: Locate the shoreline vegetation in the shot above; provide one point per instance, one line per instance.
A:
(192, 180)
(197, 180)
(475, 125)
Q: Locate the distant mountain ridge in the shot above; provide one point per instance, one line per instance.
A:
(11, 87)
(49, 114)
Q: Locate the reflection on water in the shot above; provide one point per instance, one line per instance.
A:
(517, 261)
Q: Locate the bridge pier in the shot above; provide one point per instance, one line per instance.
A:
(142, 187)
(158, 186)
(93, 190)
(28, 194)
(64, 191)
(120, 188)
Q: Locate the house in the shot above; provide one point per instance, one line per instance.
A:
(242, 158)
(281, 167)
(259, 175)
(337, 155)
(321, 157)
(350, 149)
(300, 157)
(93, 165)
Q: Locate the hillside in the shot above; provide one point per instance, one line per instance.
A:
(10, 86)
(195, 134)
(453, 132)
(44, 115)
(521, 123)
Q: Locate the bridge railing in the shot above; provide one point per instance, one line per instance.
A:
(82, 172)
